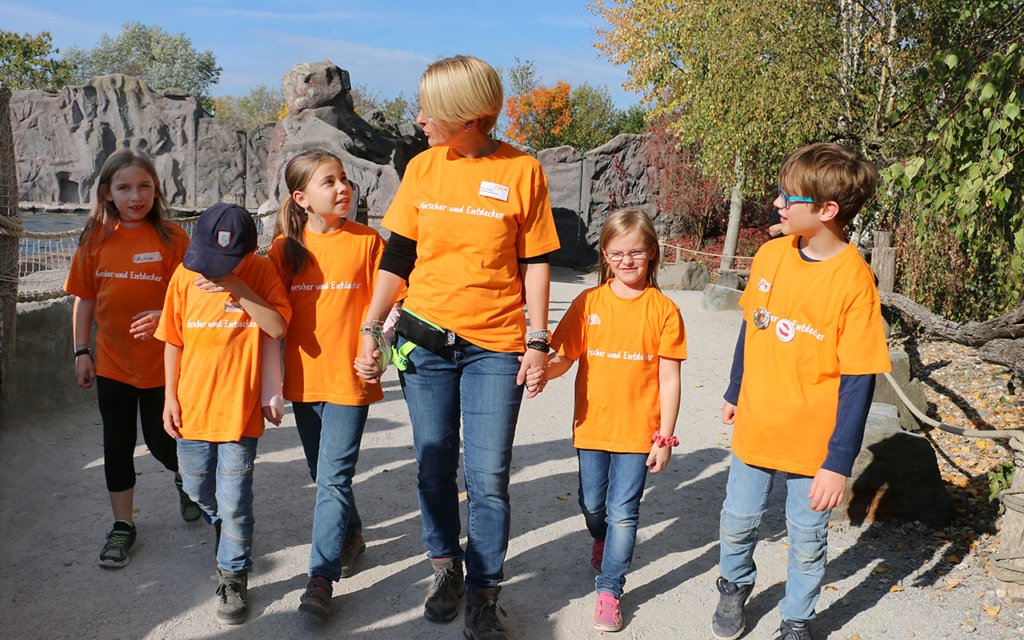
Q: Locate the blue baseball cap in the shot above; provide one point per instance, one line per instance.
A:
(224, 234)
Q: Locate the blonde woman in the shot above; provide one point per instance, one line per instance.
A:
(471, 231)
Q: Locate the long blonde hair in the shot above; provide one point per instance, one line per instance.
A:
(291, 218)
(103, 217)
(626, 221)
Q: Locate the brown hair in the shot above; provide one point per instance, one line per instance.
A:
(291, 218)
(454, 90)
(625, 221)
(103, 217)
(825, 172)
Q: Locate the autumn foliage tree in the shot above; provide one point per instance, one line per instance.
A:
(539, 118)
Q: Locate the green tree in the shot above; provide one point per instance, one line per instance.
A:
(28, 62)
(595, 120)
(162, 60)
(259, 106)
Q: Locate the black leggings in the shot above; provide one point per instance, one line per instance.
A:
(119, 403)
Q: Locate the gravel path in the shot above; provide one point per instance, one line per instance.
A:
(883, 581)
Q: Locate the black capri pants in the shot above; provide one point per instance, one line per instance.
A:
(119, 404)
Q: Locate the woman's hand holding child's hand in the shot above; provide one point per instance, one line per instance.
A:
(144, 324)
(659, 457)
(366, 362)
(533, 371)
(827, 490)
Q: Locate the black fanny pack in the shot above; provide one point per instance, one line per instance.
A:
(424, 333)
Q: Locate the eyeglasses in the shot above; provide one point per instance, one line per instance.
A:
(787, 199)
(635, 256)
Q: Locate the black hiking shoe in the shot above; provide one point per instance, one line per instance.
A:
(232, 590)
(190, 511)
(119, 543)
(728, 622)
(351, 548)
(482, 616)
(794, 630)
(316, 601)
(442, 603)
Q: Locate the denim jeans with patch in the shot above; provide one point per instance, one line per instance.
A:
(218, 477)
(746, 499)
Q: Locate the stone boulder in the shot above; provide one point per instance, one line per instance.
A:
(912, 388)
(221, 166)
(563, 167)
(896, 476)
(377, 182)
(731, 281)
(618, 176)
(257, 145)
(685, 276)
(718, 298)
(61, 139)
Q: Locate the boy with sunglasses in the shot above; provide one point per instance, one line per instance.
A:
(802, 380)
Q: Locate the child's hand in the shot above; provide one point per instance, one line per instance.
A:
(728, 413)
(172, 418)
(827, 490)
(85, 370)
(217, 285)
(272, 414)
(365, 363)
(659, 457)
(534, 368)
(144, 324)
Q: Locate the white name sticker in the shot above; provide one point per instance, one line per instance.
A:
(763, 285)
(152, 256)
(494, 190)
(232, 306)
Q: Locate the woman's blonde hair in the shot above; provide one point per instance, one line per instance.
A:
(454, 90)
(626, 221)
(103, 217)
(291, 218)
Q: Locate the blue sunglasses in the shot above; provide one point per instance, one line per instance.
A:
(787, 199)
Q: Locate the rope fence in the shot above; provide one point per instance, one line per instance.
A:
(44, 258)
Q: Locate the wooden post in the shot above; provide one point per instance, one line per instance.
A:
(8, 248)
(1011, 536)
(883, 263)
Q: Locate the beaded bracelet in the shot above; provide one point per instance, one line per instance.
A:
(369, 326)
(670, 441)
(539, 345)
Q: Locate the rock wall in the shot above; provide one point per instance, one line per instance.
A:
(62, 139)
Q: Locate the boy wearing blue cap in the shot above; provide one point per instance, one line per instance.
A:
(218, 301)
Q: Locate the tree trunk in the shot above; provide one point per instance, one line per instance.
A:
(732, 233)
(974, 334)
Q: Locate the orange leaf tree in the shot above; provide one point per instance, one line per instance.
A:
(541, 117)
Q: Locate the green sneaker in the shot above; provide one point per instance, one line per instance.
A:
(119, 543)
(190, 511)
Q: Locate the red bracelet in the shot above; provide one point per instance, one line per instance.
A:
(670, 441)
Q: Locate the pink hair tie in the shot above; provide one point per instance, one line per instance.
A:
(670, 441)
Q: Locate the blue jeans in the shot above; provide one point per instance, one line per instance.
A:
(480, 386)
(746, 499)
(218, 477)
(611, 485)
(330, 435)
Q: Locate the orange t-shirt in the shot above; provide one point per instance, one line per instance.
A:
(618, 343)
(126, 274)
(826, 321)
(219, 379)
(472, 218)
(329, 298)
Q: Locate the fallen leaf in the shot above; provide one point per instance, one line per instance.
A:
(785, 545)
(992, 611)
(830, 588)
(463, 495)
(895, 588)
(880, 570)
(939, 534)
(953, 559)
(562, 498)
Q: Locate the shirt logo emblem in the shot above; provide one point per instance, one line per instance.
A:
(594, 319)
(785, 330)
(223, 238)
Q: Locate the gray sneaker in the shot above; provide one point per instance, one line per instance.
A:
(794, 630)
(442, 603)
(728, 622)
(482, 616)
(232, 591)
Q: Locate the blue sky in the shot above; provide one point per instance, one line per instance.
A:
(384, 45)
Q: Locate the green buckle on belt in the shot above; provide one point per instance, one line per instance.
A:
(400, 356)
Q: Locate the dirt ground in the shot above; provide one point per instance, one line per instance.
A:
(883, 581)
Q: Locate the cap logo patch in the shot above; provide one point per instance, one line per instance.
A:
(223, 238)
